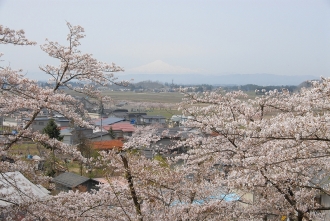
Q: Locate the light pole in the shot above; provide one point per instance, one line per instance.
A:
(101, 111)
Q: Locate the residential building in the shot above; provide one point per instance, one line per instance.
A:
(39, 123)
(107, 121)
(148, 120)
(99, 136)
(134, 117)
(13, 184)
(71, 181)
(120, 130)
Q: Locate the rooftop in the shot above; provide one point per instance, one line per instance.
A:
(122, 126)
(13, 184)
(96, 134)
(152, 117)
(108, 144)
(69, 179)
(107, 121)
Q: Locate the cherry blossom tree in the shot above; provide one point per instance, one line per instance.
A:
(10, 36)
(23, 98)
(143, 190)
(274, 148)
(21, 93)
(248, 159)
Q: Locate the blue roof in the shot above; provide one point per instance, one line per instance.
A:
(223, 197)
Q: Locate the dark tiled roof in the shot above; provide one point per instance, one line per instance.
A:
(120, 110)
(38, 118)
(82, 129)
(97, 134)
(135, 114)
(62, 120)
(69, 179)
(152, 117)
(120, 114)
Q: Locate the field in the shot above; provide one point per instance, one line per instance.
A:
(162, 98)
(23, 149)
(170, 97)
(134, 98)
(26, 148)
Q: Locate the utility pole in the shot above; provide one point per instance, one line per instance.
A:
(101, 111)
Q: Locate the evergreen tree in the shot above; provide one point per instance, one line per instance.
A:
(112, 133)
(85, 147)
(52, 130)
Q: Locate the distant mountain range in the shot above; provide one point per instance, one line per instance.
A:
(166, 73)
(232, 79)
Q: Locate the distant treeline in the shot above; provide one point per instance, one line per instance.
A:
(247, 87)
(152, 85)
(253, 87)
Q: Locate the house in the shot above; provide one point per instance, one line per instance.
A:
(148, 120)
(74, 136)
(41, 122)
(99, 136)
(38, 124)
(78, 133)
(67, 135)
(178, 120)
(107, 121)
(13, 184)
(135, 117)
(71, 181)
(120, 113)
(62, 121)
(120, 129)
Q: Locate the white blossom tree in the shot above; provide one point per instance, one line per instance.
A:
(23, 97)
(261, 159)
(275, 147)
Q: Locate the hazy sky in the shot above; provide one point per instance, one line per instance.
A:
(285, 37)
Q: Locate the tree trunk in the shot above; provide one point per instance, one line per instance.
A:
(129, 179)
(81, 168)
(54, 167)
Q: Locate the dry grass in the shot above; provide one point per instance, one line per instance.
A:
(25, 148)
(170, 97)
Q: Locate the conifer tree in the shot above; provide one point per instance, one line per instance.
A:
(53, 131)
(112, 133)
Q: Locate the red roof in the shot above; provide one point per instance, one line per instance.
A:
(107, 144)
(123, 126)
